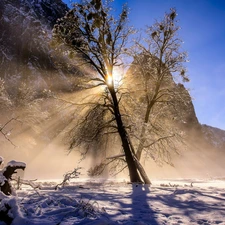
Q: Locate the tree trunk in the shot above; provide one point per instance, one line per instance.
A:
(134, 176)
(141, 145)
(140, 168)
(142, 138)
(150, 104)
(142, 172)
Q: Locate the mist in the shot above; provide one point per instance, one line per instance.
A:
(42, 147)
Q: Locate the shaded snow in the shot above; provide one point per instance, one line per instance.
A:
(93, 203)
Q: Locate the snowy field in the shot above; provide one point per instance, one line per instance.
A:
(102, 203)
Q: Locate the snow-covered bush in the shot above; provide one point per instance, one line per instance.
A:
(88, 208)
(69, 176)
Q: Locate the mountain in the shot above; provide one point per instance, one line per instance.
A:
(26, 26)
(202, 152)
(180, 109)
(25, 52)
(31, 71)
(29, 67)
(215, 136)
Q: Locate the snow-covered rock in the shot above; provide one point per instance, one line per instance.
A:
(16, 164)
(6, 175)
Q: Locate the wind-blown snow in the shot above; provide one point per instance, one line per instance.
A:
(165, 202)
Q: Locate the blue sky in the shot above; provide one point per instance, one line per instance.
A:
(203, 33)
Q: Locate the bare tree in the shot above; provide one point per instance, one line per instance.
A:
(156, 97)
(98, 39)
(145, 117)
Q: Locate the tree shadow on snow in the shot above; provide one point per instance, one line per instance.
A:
(141, 205)
(190, 202)
(138, 204)
(127, 205)
(141, 210)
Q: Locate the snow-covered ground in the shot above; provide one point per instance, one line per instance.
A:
(102, 203)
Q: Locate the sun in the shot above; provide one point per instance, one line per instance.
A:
(115, 79)
(109, 80)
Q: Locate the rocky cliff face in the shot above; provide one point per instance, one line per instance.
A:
(28, 67)
(25, 55)
(26, 26)
(180, 110)
(214, 136)
(173, 99)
